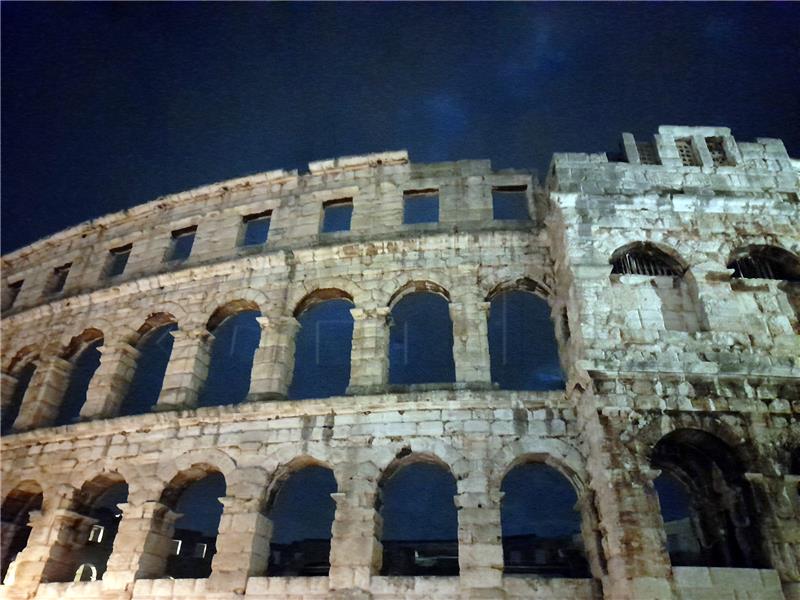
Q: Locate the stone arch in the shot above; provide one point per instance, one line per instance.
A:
(191, 463)
(558, 454)
(423, 528)
(229, 309)
(153, 321)
(418, 285)
(79, 342)
(703, 485)
(83, 354)
(21, 499)
(22, 369)
(318, 296)
(523, 283)
(21, 358)
(285, 470)
(304, 293)
(648, 258)
(765, 261)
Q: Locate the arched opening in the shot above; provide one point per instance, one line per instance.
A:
(10, 412)
(14, 516)
(98, 501)
(421, 336)
(765, 262)
(302, 511)
(706, 503)
(420, 521)
(322, 346)
(668, 288)
(522, 343)
(236, 335)
(540, 524)
(155, 348)
(84, 354)
(195, 495)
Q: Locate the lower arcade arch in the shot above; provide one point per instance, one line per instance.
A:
(10, 411)
(15, 514)
(541, 523)
(707, 505)
(194, 496)
(83, 353)
(302, 510)
(416, 501)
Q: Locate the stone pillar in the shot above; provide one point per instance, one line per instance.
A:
(44, 394)
(242, 545)
(56, 534)
(273, 362)
(357, 527)
(8, 385)
(142, 544)
(187, 369)
(634, 542)
(480, 547)
(471, 343)
(111, 381)
(369, 357)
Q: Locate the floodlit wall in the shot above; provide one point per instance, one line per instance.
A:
(642, 354)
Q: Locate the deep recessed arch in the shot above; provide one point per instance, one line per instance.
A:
(18, 504)
(522, 342)
(421, 335)
(762, 261)
(322, 345)
(706, 502)
(540, 522)
(236, 334)
(647, 258)
(420, 521)
(84, 354)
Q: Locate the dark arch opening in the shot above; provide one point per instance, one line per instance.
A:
(706, 497)
(765, 262)
(155, 348)
(645, 258)
(421, 340)
(231, 362)
(195, 535)
(522, 343)
(14, 517)
(85, 361)
(11, 411)
(302, 512)
(541, 528)
(322, 350)
(420, 521)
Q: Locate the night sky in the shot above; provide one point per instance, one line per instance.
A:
(105, 106)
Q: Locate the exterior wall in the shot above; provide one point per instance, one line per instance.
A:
(642, 357)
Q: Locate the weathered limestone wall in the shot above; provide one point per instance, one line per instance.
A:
(644, 356)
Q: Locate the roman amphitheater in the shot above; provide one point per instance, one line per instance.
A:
(385, 380)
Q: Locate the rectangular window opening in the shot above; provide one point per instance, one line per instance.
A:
(510, 203)
(717, 150)
(337, 215)
(647, 153)
(256, 228)
(117, 260)
(96, 533)
(420, 206)
(175, 549)
(182, 241)
(200, 550)
(14, 289)
(58, 278)
(686, 152)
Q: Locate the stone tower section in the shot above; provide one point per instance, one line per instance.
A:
(480, 386)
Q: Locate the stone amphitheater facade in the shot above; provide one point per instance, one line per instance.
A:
(693, 355)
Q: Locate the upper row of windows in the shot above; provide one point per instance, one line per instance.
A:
(419, 206)
(648, 154)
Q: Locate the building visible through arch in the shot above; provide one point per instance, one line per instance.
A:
(382, 379)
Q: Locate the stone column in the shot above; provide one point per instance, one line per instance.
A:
(142, 544)
(44, 394)
(633, 541)
(8, 385)
(273, 362)
(357, 527)
(56, 533)
(471, 343)
(242, 545)
(187, 369)
(480, 547)
(111, 381)
(369, 357)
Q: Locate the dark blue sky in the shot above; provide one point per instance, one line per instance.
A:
(105, 106)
